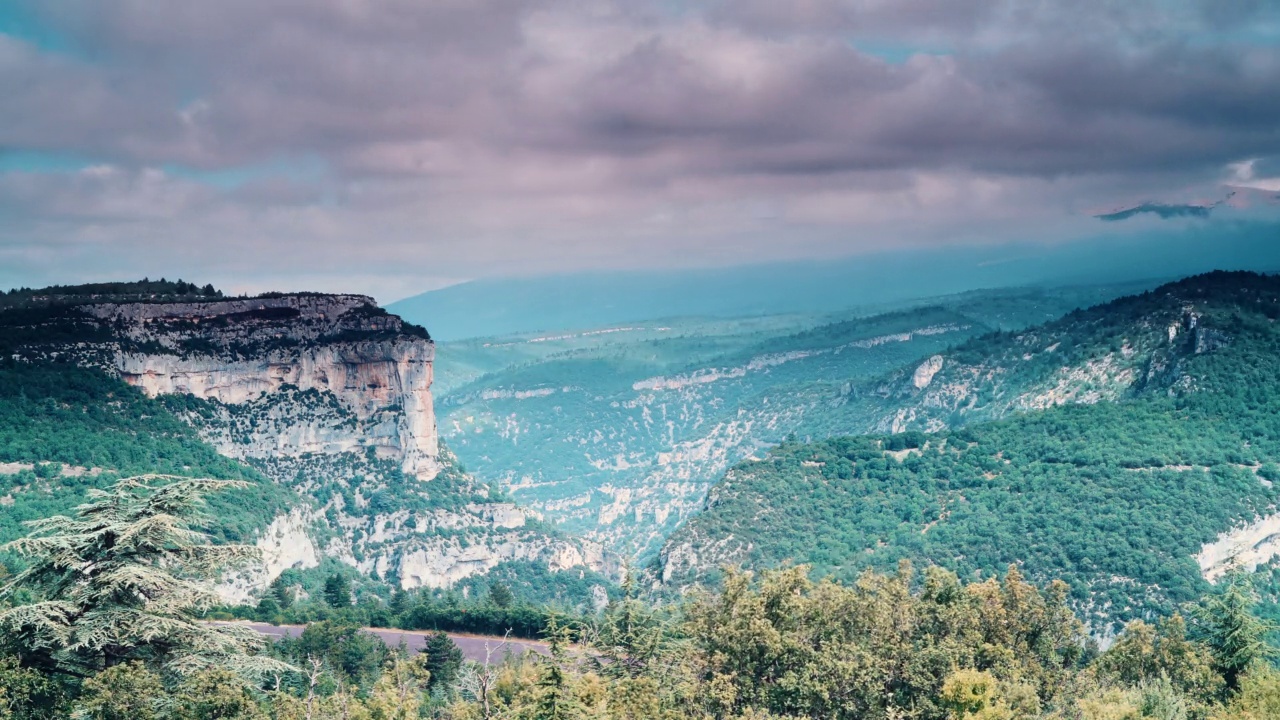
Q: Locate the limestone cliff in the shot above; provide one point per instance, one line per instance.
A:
(328, 395)
(245, 352)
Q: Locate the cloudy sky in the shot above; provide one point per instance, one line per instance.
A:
(393, 146)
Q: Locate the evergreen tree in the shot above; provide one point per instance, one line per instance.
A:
(443, 659)
(281, 591)
(500, 595)
(399, 601)
(125, 580)
(337, 590)
(1235, 636)
(555, 700)
(124, 692)
(632, 635)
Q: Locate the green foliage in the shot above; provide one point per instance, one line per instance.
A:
(28, 694)
(1115, 499)
(354, 656)
(81, 429)
(144, 290)
(533, 583)
(128, 691)
(217, 694)
(337, 590)
(777, 647)
(1234, 635)
(500, 595)
(521, 620)
(1258, 699)
(123, 580)
(442, 659)
(555, 700)
(797, 648)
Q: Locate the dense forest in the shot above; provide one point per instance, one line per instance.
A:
(64, 429)
(124, 636)
(1114, 498)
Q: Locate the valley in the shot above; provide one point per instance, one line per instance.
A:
(1074, 462)
(617, 433)
(324, 401)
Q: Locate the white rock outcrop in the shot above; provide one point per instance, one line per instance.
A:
(924, 374)
(1245, 548)
(441, 562)
(284, 544)
(237, 352)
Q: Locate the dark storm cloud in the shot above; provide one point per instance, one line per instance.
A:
(497, 135)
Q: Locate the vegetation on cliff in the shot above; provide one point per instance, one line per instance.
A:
(1115, 498)
(779, 646)
(66, 429)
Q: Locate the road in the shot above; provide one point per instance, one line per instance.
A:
(473, 647)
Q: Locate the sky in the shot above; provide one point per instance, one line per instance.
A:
(395, 146)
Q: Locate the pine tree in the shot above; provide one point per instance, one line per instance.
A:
(125, 580)
(1235, 636)
(337, 590)
(632, 635)
(500, 595)
(555, 699)
(443, 659)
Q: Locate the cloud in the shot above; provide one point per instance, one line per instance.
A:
(458, 138)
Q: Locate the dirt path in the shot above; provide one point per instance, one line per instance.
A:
(473, 647)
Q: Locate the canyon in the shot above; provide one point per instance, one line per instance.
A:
(330, 397)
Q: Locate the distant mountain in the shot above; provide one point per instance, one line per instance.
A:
(507, 306)
(618, 432)
(1162, 210)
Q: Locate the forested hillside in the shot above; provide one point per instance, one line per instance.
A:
(128, 641)
(1117, 498)
(65, 429)
(617, 432)
(1134, 345)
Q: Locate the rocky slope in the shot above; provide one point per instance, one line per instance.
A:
(326, 394)
(1105, 353)
(1131, 448)
(265, 356)
(618, 432)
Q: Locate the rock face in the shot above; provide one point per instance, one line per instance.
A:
(1245, 548)
(923, 375)
(243, 352)
(441, 562)
(284, 544)
(329, 396)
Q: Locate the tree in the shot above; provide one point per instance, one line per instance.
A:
(555, 700)
(355, 656)
(1258, 698)
(124, 580)
(1235, 636)
(443, 659)
(268, 609)
(500, 595)
(397, 695)
(281, 591)
(124, 692)
(337, 590)
(399, 601)
(217, 694)
(29, 695)
(631, 636)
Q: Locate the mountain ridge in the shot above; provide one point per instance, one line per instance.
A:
(1137, 484)
(329, 397)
